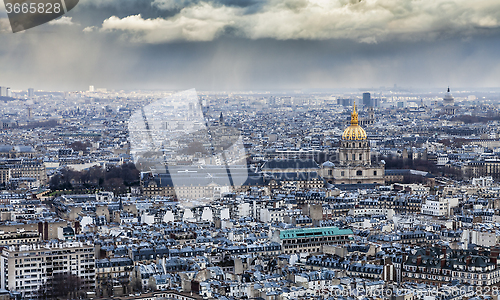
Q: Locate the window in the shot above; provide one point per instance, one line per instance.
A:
(342, 173)
(374, 173)
(361, 157)
(354, 157)
(359, 173)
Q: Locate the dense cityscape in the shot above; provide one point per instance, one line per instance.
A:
(381, 193)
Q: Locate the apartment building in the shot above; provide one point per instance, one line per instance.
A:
(435, 266)
(311, 239)
(435, 207)
(23, 168)
(20, 237)
(27, 268)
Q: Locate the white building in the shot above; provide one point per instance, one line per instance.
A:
(26, 268)
(442, 159)
(435, 207)
(272, 215)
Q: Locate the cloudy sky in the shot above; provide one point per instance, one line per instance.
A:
(257, 44)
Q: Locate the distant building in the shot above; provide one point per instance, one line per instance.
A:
(198, 183)
(7, 151)
(449, 103)
(481, 168)
(370, 119)
(345, 101)
(28, 169)
(31, 92)
(4, 175)
(367, 100)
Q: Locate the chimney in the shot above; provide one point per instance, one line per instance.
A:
(427, 252)
(467, 261)
(494, 256)
(443, 262)
(419, 260)
(443, 250)
(495, 252)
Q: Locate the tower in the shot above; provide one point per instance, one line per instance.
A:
(371, 116)
(367, 100)
(221, 119)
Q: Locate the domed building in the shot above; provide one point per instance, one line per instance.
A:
(354, 164)
(449, 103)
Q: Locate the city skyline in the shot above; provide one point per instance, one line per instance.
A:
(250, 149)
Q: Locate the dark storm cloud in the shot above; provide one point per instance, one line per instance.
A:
(94, 12)
(364, 21)
(129, 44)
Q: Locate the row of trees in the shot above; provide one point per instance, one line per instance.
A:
(422, 165)
(116, 179)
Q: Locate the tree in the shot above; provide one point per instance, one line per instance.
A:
(61, 286)
(136, 284)
(114, 178)
(79, 146)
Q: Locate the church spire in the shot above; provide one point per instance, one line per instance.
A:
(354, 116)
(221, 119)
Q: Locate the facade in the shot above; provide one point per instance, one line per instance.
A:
(355, 165)
(27, 268)
(435, 207)
(23, 168)
(481, 168)
(438, 267)
(195, 183)
(22, 237)
(113, 275)
(366, 99)
(4, 175)
(312, 239)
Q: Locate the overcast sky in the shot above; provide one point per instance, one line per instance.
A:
(257, 44)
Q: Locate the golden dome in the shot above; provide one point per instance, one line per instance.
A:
(354, 132)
